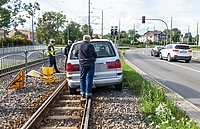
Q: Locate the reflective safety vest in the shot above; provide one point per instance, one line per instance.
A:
(51, 52)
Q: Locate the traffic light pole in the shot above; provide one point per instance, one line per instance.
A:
(163, 22)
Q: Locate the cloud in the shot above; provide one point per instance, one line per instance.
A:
(180, 13)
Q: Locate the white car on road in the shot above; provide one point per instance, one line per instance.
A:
(176, 52)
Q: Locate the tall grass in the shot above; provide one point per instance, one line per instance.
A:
(160, 111)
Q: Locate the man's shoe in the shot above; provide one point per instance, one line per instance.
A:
(82, 96)
(89, 97)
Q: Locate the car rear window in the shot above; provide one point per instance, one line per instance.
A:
(102, 48)
(182, 47)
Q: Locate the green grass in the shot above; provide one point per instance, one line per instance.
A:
(160, 111)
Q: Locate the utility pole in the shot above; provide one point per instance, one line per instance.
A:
(32, 31)
(197, 33)
(68, 33)
(119, 34)
(188, 35)
(133, 33)
(171, 32)
(102, 19)
(88, 17)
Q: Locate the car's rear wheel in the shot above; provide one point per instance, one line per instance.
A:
(160, 56)
(72, 90)
(118, 87)
(187, 61)
(169, 58)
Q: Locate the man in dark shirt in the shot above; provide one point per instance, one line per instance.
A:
(66, 51)
(87, 57)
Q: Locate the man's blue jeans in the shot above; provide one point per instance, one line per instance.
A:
(86, 79)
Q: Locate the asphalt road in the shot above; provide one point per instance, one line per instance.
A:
(183, 78)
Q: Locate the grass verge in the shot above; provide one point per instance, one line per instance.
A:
(160, 111)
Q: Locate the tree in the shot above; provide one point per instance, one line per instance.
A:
(84, 29)
(50, 26)
(4, 18)
(10, 12)
(73, 29)
(188, 35)
(176, 33)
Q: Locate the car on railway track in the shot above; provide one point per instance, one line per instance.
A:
(176, 52)
(108, 69)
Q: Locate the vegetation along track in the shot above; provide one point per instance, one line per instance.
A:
(61, 110)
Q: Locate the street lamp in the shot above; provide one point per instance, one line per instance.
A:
(102, 19)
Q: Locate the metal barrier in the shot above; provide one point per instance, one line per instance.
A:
(196, 55)
(11, 62)
(7, 50)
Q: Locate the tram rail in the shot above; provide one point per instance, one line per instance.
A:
(61, 101)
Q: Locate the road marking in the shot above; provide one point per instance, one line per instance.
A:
(183, 67)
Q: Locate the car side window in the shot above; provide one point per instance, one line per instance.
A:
(72, 56)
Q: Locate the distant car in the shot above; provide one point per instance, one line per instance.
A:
(176, 52)
(108, 69)
(156, 50)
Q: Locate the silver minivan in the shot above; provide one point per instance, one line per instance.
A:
(108, 69)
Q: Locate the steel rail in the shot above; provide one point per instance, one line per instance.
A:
(34, 118)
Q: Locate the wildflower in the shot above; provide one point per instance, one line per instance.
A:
(151, 123)
(149, 116)
(173, 118)
(157, 126)
(166, 122)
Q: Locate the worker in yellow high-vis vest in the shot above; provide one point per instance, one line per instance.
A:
(51, 53)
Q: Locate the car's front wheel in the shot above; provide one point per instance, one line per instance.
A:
(118, 87)
(160, 55)
(151, 53)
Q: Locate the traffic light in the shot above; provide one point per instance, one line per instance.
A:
(112, 31)
(115, 32)
(143, 19)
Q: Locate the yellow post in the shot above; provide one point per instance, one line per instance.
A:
(48, 72)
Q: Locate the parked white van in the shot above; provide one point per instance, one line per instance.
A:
(108, 70)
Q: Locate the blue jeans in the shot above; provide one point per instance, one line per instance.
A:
(86, 79)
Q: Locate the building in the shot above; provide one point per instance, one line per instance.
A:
(1, 33)
(154, 36)
(26, 32)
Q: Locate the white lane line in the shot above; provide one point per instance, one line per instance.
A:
(184, 67)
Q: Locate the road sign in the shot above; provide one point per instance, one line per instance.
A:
(18, 80)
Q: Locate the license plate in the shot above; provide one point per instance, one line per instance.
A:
(183, 51)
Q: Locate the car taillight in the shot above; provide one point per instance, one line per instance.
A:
(175, 50)
(72, 67)
(189, 50)
(113, 64)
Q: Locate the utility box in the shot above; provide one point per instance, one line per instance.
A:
(48, 74)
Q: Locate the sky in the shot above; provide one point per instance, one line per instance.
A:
(127, 14)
